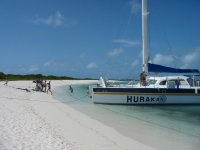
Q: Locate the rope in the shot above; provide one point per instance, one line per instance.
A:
(167, 38)
(12, 98)
(171, 48)
(118, 38)
(76, 99)
(185, 65)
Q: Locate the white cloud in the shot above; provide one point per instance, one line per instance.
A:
(70, 22)
(135, 6)
(191, 57)
(82, 55)
(55, 20)
(125, 63)
(59, 64)
(135, 63)
(62, 64)
(33, 68)
(7, 70)
(185, 61)
(140, 54)
(53, 63)
(115, 52)
(91, 65)
(46, 64)
(128, 43)
(23, 69)
(163, 60)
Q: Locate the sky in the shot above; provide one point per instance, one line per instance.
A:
(94, 38)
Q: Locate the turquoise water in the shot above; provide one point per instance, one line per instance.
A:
(163, 127)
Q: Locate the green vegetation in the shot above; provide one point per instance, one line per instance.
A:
(36, 76)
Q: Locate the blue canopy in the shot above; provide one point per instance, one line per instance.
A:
(163, 69)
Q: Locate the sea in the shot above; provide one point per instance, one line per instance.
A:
(174, 127)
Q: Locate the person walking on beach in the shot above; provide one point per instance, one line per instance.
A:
(6, 83)
(49, 87)
(45, 86)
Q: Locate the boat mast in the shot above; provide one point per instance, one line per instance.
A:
(145, 39)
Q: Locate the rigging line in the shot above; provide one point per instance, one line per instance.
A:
(184, 64)
(126, 29)
(166, 38)
(115, 43)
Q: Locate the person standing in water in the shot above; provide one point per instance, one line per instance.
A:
(87, 90)
(49, 87)
(71, 89)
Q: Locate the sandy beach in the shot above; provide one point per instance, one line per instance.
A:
(34, 120)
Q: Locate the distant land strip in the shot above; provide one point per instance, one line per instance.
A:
(14, 77)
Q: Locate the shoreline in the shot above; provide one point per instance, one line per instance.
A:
(34, 120)
(158, 132)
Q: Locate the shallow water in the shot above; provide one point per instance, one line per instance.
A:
(164, 127)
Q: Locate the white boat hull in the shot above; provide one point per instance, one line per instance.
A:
(134, 98)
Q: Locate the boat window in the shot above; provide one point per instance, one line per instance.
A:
(163, 83)
(193, 82)
(183, 82)
(150, 82)
(133, 82)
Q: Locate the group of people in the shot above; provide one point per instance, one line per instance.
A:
(40, 86)
(43, 86)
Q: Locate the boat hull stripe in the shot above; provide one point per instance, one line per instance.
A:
(144, 94)
(144, 90)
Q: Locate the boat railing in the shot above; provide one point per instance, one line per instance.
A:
(123, 83)
(101, 82)
(198, 83)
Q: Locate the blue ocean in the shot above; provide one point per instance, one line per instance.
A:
(160, 126)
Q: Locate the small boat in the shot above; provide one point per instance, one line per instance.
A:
(179, 89)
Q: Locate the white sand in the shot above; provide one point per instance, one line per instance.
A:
(34, 120)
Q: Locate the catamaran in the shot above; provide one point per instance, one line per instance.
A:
(157, 90)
